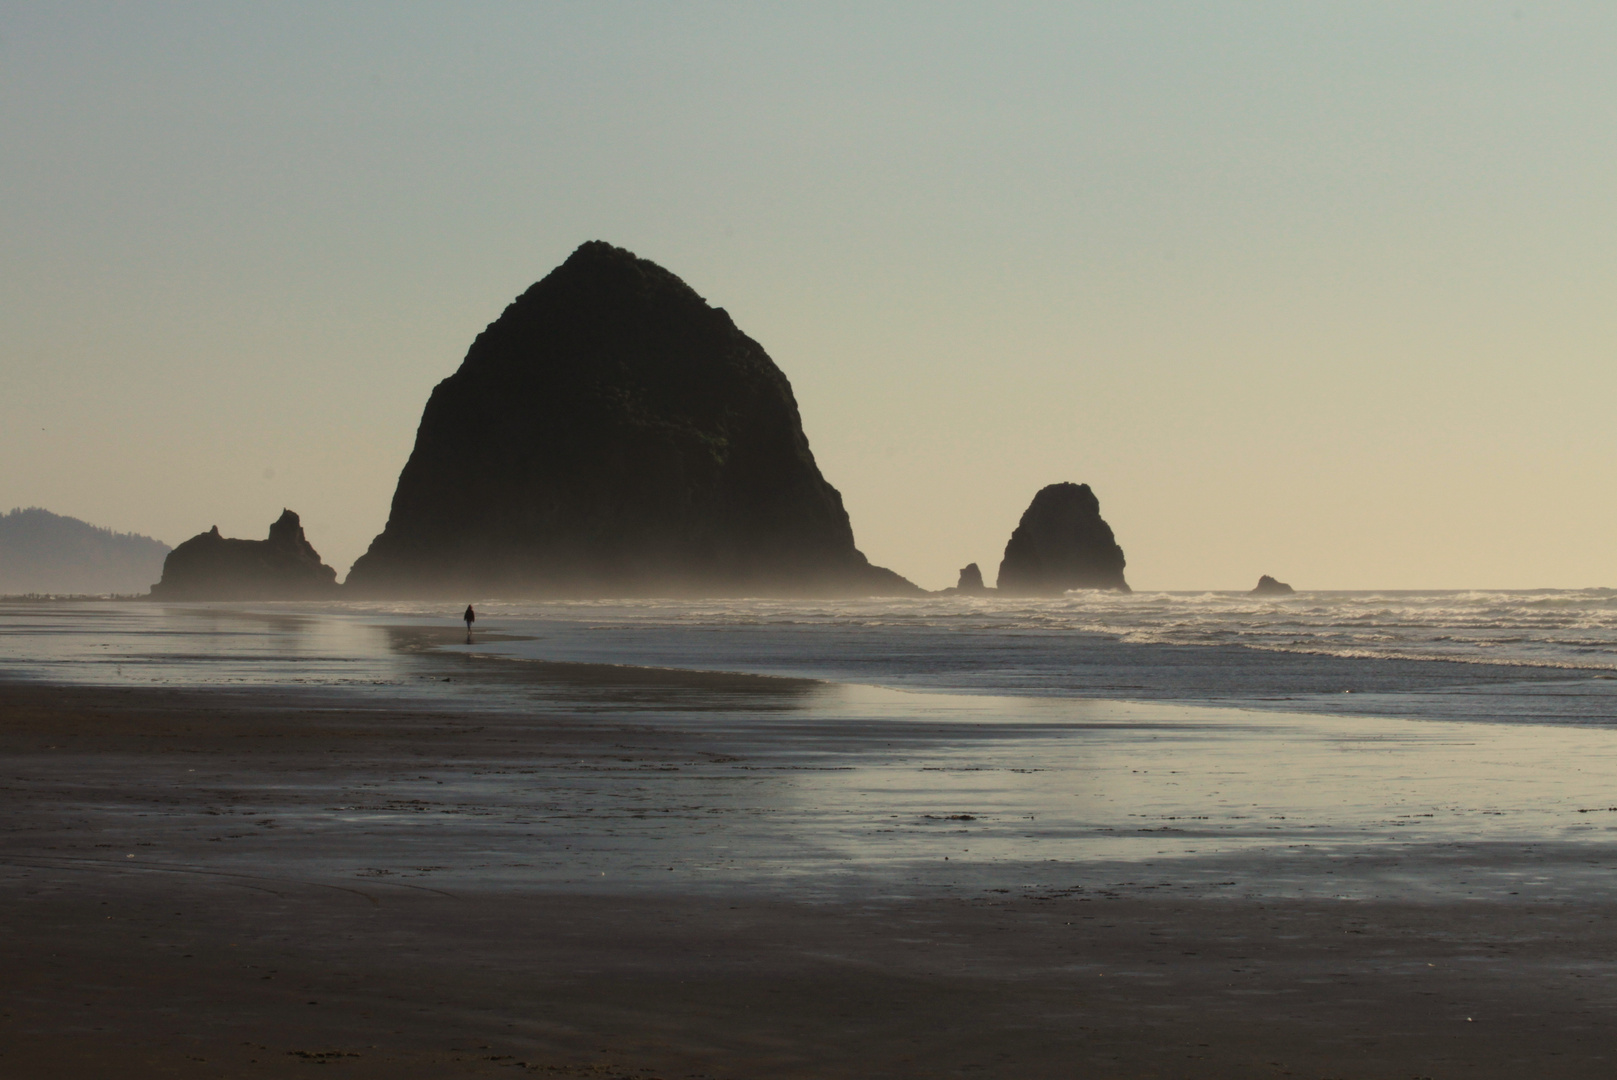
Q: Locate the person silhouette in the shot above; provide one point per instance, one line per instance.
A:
(470, 617)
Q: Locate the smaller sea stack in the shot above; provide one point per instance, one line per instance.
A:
(1268, 586)
(1062, 543)
(213, 567)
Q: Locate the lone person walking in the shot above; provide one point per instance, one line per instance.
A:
(470, 617)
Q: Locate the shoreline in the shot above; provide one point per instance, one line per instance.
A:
(1525, 669)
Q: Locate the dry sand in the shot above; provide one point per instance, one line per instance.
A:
(205, 884)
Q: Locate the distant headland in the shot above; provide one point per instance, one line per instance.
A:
(42, 552)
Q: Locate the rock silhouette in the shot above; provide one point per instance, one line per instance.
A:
(1061, 543)
(613, 435)
(1268, 586)
(213, 567)
(971, 579)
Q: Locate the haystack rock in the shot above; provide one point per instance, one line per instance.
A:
(613, 435)
(212, 567)
(1268, 586)
(1061, 543)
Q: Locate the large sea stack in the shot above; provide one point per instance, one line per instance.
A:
(1061, 543)
(613, 435)
(213, 567)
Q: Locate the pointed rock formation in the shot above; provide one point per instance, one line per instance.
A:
(971, 579)
(212, 567)
(1268, 586)
(1061, 543)
(613, 435)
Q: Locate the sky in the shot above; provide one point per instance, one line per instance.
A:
(1317, 290)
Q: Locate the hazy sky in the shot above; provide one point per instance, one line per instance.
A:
(1317, 290)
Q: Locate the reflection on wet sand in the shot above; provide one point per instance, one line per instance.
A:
(739, 780)
(356, 818)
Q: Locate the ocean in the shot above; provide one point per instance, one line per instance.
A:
(1530, 656)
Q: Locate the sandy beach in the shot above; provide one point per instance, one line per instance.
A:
(654, 873)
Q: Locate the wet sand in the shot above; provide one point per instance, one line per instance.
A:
(669, 874)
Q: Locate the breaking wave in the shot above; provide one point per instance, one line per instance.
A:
(1573, 629)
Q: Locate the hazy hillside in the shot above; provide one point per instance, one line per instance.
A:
(42, 552)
